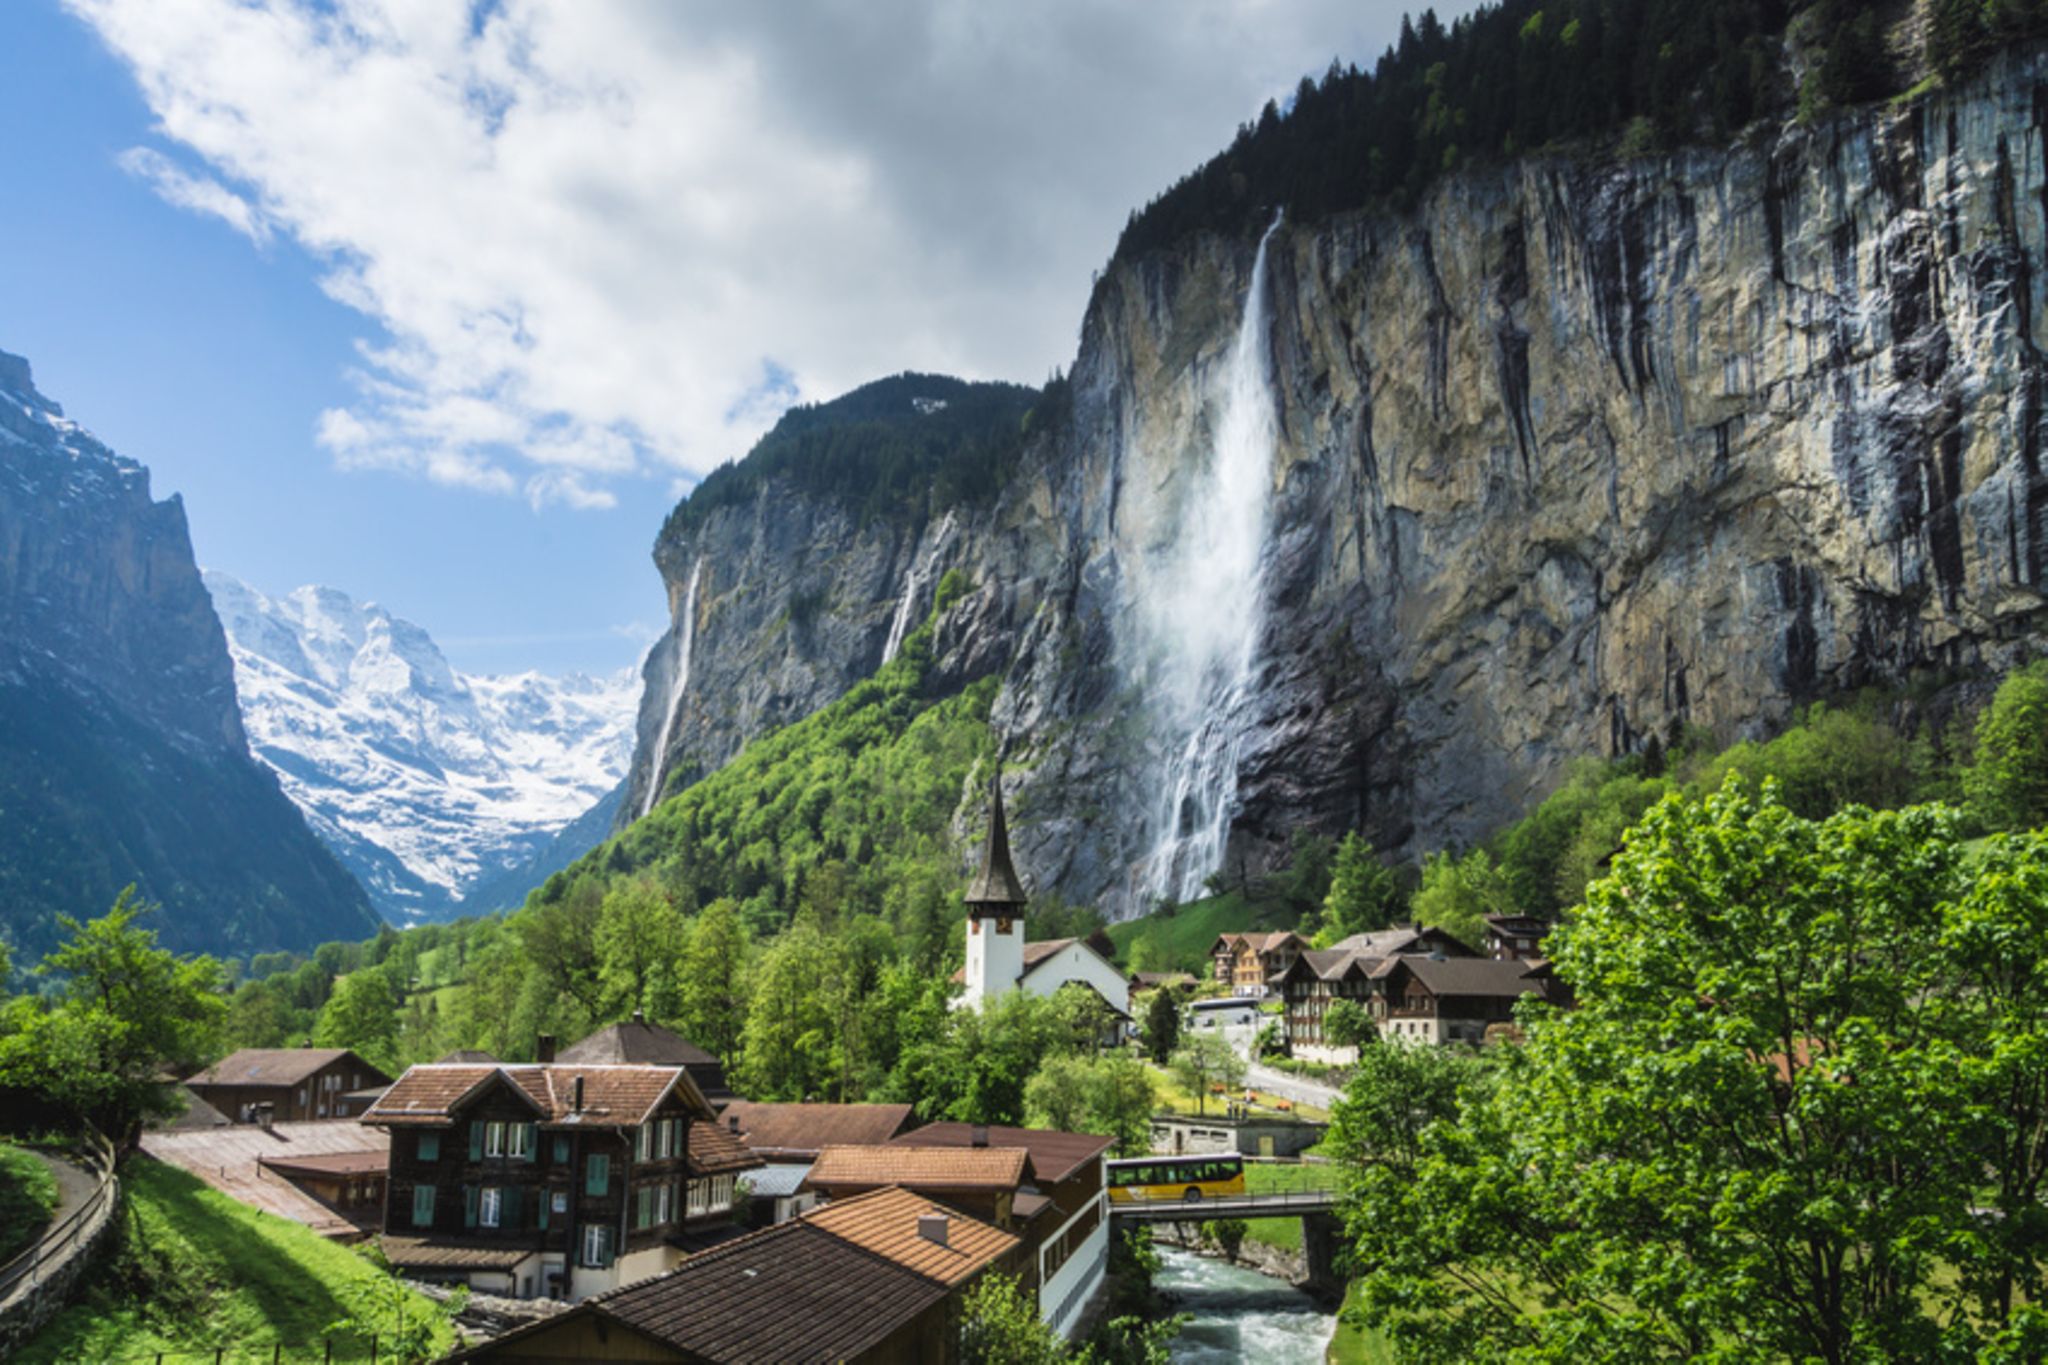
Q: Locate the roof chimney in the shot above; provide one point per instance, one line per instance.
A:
(980, 1135)
(732, 1123)
(576, 1095)
(932, 1227)
(544, 1048)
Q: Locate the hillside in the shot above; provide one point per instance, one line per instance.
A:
(122, 753)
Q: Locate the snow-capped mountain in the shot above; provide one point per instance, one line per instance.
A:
(425, 781)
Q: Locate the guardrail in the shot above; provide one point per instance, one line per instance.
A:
(54, 1247)
(1280, 1204)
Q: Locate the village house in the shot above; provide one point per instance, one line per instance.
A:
(789, 1137)
(1449, 1000)
(999, 959)
(288, 1084)
(872, 1279)
(561, 1179)
(1246, 963)
(1516, 937)
(1319, 978)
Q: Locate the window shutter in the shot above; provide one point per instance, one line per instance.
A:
(508, 1216)
(476, 1140)
(640, 1141)
(597, 1177)
(532, 1143)
(541, 1214)
(422, 1206)
(430, 1147)
(604, 1245)
(561, 1151)
(469, 1195)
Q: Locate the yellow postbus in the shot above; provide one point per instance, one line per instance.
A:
(1186, 1178)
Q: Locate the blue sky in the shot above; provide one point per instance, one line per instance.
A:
(444, 305)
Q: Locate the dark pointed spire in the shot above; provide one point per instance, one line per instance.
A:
(996, 891)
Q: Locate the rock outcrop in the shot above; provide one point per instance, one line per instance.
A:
(1571, 455)
(122, 754)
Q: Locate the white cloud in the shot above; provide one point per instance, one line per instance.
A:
(200, 194)
(611, 238)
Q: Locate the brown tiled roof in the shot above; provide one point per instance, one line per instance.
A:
(1054, 1155)
(415, 1253)
(613, 1096)
(1471, 976)
(713, 1151)
(1258, 943)
(935, 1167)
(817, 1288)
(330, 1163)
(804, 1130)
(274, 1066)
(885, 1223)
(636, 1043)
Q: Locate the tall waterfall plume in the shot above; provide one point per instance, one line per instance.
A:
(915, 583)
(1206, 605)
(679, 683)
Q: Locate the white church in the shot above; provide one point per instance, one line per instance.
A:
(999, 959)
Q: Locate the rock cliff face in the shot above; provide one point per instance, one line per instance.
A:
(122, 755)
(1569, 456)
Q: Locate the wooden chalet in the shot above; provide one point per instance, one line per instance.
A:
(1318, 978)
(873, 1278)
(1424, 999)
(1247, 962)
(562, 1180)
(287, 1084)
(1516, 937)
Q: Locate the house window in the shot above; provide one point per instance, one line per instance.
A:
(521, 1140)
(423, 1206)
(721, 1193)
(665, 1139)
(643, 1207)
(698, 1203)
(494, 1201)
(494, 1139)
(429, 1147)
(664, 1203)
(302, 1097)
(641, 1144)
(597, 1245)
(597, 1175)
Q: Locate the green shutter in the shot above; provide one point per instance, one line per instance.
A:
(643, 1212)
(561, 1151)
(423, 1206)
(532, 1142)
(544, 1200)
(430, 1147)
(604, 1245)
(476, 1140)
(597, 1178)
(469, 1197)
(508, 1209)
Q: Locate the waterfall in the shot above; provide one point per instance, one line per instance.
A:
(914, 583)
(679, 683)
(1206, 604)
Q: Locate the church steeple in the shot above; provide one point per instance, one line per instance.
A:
(996, 892)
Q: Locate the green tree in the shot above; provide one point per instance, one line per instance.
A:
(2007, 782)
(714, 970)
(639, 940)
(1205, 1060)
(362, 1014)
(1162, 1024)
(1798, 1052)
(790, 1045)
(1000, 1325)
(1364, 895)
(384, 1308)
(1457, 894)
(1348, 1025)
(1111, 1095)
(124, 1018)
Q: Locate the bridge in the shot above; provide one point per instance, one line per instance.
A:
(1321, 1229)
(1287, 1204)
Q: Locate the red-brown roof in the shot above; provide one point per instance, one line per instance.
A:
(714, 1151)
(804, 1130)
(941, 1168)
(1054, 1155)
(1471, 976)
(613, 1096)
(825, 1286)
(278, 1066)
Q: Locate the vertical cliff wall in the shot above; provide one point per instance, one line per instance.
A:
(1570, 455)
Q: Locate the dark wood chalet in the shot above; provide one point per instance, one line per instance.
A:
(1516, 937)
(286, 1084)
(1449, 1000)
(554, 1180)
(1349, 970)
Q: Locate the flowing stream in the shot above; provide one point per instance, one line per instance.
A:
(679, 683)
(1206, 605)
(1239, 1314)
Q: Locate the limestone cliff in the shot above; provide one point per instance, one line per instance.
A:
(1571, 454)
(122, 754)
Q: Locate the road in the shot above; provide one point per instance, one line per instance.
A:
(1296, 1088)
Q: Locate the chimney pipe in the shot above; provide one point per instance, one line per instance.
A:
(576, 1095)
(980, 1137)
(544, 1048)
(932, 1227)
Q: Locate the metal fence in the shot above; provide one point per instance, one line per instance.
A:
(55, 1246)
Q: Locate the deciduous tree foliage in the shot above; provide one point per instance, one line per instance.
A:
(1797, 1111)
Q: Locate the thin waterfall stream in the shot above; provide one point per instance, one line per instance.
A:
(679, 683)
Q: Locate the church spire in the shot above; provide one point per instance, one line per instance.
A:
(996, 891)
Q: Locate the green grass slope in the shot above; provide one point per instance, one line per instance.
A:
(1180, 941)
(195, 1271)
(28, 1193)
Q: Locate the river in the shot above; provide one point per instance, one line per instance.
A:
(1239, 1314)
